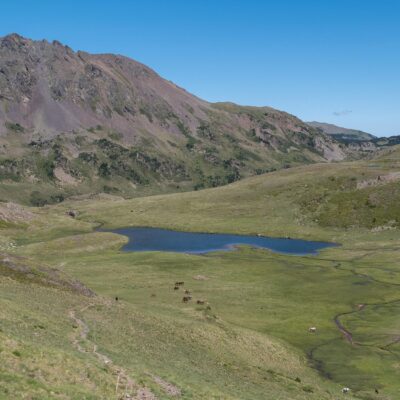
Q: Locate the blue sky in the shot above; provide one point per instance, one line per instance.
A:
(334, 61)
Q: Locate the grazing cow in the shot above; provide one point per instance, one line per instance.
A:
(312, 329)
(345, 390)
(187, 291)
(185, 299)
(176, 287)
(179, 283)
(116, 299)
(72, 213)
(376, 391)
(201, 302)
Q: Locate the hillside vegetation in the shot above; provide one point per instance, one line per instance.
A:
(101, 141)
(250, 339)
(318, 200)
(76, 123)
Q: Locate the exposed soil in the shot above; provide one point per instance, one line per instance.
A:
(11, 212)
(64, 178)
(380, 180)
(126, 387)
(169, 388)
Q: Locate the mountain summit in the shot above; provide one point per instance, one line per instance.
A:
(75, 122)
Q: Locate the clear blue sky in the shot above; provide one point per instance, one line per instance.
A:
(335, 61)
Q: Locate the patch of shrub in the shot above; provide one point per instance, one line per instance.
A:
(10, 169)
(147, 113)
(46, 167)
(110, 189)
(205, 130)
(308, 389)
(90, 158)
(104, 170)
(38, 199)
(17, 128)
(252, 135)
(183, 128)
(115, 136)
(191, 143)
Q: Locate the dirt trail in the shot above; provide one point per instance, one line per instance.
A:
(168, 388)
(125, 387)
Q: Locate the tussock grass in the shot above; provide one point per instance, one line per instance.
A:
(250, 339)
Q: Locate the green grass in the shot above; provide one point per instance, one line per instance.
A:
(187, 345)
(250, 340)
(308, 202)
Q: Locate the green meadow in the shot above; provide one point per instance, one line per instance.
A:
(249, 339)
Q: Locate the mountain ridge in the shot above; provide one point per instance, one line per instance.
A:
(75, 123)
(341, 133)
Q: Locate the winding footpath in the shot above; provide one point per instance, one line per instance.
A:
(126, 387)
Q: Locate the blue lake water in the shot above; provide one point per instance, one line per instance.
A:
(155, 239)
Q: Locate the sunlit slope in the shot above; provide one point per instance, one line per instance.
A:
(253, 342)
(312, 201)
(58, 344)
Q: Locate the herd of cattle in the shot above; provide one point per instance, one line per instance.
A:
(188, 295)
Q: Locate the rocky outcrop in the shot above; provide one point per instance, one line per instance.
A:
(79, 122)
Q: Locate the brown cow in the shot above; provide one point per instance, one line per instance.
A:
(187, 291)
(179, 283)
(185, 299)
(201, 302)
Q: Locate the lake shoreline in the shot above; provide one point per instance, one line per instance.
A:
(144, 238)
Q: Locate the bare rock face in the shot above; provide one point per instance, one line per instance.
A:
(49, 87)
(83, 123)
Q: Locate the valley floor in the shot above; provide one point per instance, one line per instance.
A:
(250, 339)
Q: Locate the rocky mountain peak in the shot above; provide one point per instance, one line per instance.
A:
(75, 118)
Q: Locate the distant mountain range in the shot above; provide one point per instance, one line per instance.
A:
(354, 138)
(341, 133)
(77, 123)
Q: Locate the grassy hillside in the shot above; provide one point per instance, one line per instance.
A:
(320, 201)
(57, 344)
(250, 340)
